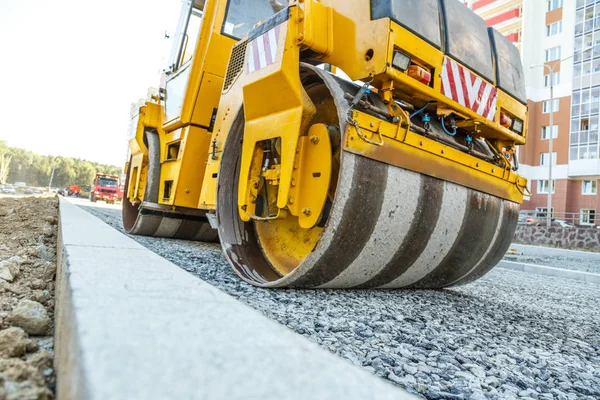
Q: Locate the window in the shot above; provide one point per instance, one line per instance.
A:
(589, 187)
(556, 79)
(554, 28)
(587, 216)
(553, 54)
(108, 182)
(193, 30)
(545, 157)
(546, 132)
(546, 106)
(585, 124)
(242, 15)
(543, 186)
(553, 4)
(186, 37)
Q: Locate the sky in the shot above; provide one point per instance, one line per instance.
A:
(71, 69)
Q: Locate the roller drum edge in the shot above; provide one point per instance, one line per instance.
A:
(175, 228)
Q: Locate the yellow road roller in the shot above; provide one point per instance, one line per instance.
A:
(334, 143)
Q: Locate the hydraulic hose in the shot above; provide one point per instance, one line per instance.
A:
(420, 110)
(453, 133)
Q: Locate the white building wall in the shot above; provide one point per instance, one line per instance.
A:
(534, 44)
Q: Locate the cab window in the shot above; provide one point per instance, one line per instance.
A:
(242, 15)
(188, 30)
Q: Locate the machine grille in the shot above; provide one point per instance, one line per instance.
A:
(236, 64)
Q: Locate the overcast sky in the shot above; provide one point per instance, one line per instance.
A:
(71, 68)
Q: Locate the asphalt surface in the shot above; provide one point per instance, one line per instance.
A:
(508, 335)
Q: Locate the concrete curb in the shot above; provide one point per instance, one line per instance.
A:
(550, 271)
(554, 252)
(131, 325)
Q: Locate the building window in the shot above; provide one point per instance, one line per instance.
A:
(554, 4)
(583, 152)
(545, 157)
(587, 216)
(546, 106)
(585, 126)
(542, 187)
(556, 79)
(546, 132)
(553, 54)
(589, 187)
(554, 28)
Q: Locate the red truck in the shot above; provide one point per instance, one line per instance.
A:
(105, 187)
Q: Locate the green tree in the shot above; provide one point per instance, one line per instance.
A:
(35, 170)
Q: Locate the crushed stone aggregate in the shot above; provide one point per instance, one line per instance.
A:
(509, 335)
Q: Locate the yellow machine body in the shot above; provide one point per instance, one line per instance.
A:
(261, 141)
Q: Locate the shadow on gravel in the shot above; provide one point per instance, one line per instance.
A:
(508, 335)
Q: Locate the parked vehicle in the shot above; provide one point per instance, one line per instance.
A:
(7, 189)
(74, 190)
(525, 219)
(105, 187)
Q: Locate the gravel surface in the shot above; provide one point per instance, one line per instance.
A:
(508, 335)
(571, 263)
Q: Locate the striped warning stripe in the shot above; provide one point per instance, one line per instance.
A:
(468, 89)
(262, 51)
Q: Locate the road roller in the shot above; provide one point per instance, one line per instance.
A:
(334, 143)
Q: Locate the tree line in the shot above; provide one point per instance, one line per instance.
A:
(19, 165)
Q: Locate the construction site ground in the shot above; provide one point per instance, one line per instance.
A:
(28, 237)
(509, 335)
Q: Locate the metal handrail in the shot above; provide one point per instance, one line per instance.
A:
(538, 217)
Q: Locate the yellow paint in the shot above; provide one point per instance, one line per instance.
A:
(286, 118)
(311, 176)
(184, 170)
(285, 243)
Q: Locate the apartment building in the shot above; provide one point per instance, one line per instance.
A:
(560, 44)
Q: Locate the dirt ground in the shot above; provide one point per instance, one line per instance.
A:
(28, 235)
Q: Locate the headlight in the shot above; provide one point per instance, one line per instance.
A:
(400, 61)
(517, 126)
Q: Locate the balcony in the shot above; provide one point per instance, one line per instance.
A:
(584, 168)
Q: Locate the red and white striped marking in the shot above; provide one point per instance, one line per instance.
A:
(466, 88)
(262, 51)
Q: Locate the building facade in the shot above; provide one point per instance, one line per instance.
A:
(560, 45)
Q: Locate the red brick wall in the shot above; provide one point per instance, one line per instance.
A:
(577, 201)
(559, 197)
